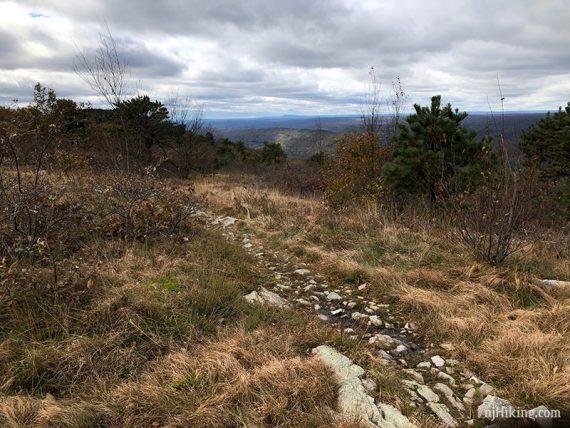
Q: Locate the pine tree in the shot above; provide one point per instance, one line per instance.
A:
(434, 153)
(546, 146)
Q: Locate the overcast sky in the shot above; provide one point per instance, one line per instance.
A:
(260, 57)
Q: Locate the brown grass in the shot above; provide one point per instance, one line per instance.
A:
(515, 335)
(153, 331)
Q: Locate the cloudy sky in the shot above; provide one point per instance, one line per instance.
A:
(261, 57)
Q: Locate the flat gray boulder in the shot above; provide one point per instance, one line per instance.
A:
(354, 403)
(495, 408)
(266, 297)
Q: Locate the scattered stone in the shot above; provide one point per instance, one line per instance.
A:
(485, 389)
(351, 305)
(374, 320)
(302, 271)
(438, 361)
(248, 245)
(401, 349)
(358, 316)
(317, 307)
(303, 302)
(283, 287)
(469, 396)
(348, 330)
(228, 221)
(333, 296)
(446, 377)
(415, 375)
(389, 325)
(450, 370)
(362, 287)
(323, 317)
(424, 365)
(309, 287)
(448, 393)
(266, 297)
(383, 341)
(494, 408)
(442, 412)
(542, 421)
(423, 391)
(551, 284)
(392, 417)
(447, 346)
(337, 311)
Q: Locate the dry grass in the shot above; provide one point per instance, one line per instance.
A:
(153, 332)
(514, 334)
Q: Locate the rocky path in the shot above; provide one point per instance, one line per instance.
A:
(442, 386)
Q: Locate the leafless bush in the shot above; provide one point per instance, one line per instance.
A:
(497, 219)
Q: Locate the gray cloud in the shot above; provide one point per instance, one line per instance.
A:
(299, 56)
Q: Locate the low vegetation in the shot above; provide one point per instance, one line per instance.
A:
(119, 307)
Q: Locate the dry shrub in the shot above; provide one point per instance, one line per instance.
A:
(355, 173)
(496, 220)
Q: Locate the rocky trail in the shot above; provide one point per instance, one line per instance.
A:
(443, 386)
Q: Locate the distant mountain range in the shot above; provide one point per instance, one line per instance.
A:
(298, 135)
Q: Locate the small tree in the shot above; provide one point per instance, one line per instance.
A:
(434, 153)
(546, 146)
(355, 173)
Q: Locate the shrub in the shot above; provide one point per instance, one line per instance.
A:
(355, 173)
(496, 219)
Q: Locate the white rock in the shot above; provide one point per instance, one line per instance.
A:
(337, 311)
(446, 377)
(414, 375)
(303, 302)
(333, 296)
(302, 271)
(442, 412)
(468, 398)
(542, 421)
(383, 341)
(248, 245)
(353, 401)
(448, 393)
(438, 361)
(351, 305)
(323, 317)
(266, 297)
(388, 325)
(485, 389)
(374, 320)
(228, 221)
(423, 391)
(400, 349)
(392, 417)
(424, 365)
(494, 408)
(358, 316)
(551, 284)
